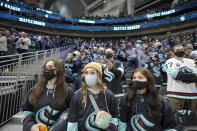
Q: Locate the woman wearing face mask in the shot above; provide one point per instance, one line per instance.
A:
(142, 108)
(48, 99)
(82, 114)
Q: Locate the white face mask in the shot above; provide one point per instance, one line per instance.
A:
(91, 80)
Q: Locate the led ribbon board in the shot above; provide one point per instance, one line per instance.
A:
(104, 28)
(23, 10)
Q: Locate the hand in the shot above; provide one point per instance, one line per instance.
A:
(36, 127)
(109, 66)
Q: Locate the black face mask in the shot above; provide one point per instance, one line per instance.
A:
(159, 47)
(156, 56)
(139, 85)
(49, 74)
(109, 55)
(179, 53)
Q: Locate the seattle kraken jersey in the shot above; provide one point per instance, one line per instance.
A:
(112, 78)
(70, 66)
(181, 78)
(122, 56)
(155, 68)
(45, 112)
(80, 62)
(161, 56)
(138, 116)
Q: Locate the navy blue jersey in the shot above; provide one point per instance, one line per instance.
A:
(155, 68)
(164, 74)
(122, 56)
(70, 65)
(80, 62)
(45, 112)
(113, 77)
(161, 56)
(139, 118)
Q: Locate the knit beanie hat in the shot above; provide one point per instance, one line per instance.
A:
(95, 65)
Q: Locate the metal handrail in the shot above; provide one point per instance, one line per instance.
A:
(18, 74)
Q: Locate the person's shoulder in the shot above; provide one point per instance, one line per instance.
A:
(117, 61)
(170, 60)
(26, 38)
(109, 92)
(69, 89)
(164, 102)
(123, 102)
(78, 92)
(77, 95)
(188, 60)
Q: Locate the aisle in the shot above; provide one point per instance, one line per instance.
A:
(14, 124)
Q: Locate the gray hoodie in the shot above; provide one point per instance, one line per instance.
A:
(143, 58)
(3, 43)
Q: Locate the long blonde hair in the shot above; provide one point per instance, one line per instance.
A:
(100, 84)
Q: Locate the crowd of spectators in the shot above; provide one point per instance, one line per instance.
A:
(120, 56)
(157, 54)
(12, 42)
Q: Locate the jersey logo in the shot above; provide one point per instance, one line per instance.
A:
(178, 65)
(151, 64)
(185, 69)
(45, 115)
(156, 71)
(90, 122)
(140, 123)
(85, 61)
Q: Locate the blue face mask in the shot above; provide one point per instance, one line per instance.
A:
(91, 80)
(69, 57)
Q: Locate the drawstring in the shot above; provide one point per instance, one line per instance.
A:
(51, 89)
(136, 104)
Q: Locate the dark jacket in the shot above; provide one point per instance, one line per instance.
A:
(79, 114)
(80, 62)
(45, 112)
(138, 116)
(155, 68)
(112, 78)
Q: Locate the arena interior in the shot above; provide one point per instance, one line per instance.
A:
(123, 41)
